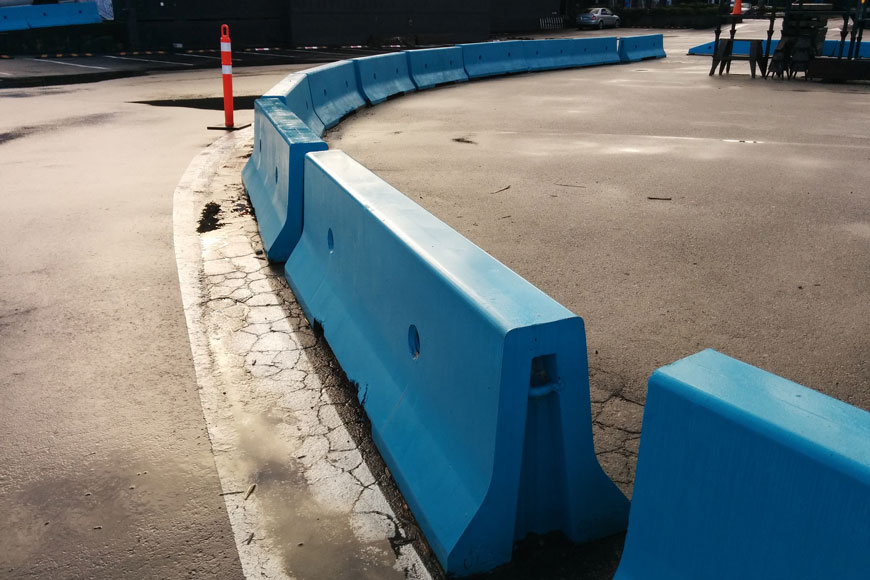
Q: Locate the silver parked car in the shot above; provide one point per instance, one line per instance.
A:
(597, 18)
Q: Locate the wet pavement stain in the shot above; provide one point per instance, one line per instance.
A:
(209, 220)
(71, 122)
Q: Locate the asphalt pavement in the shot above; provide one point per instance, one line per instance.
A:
(106, 469)
(673, 211)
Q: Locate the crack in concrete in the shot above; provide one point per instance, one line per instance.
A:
(279, 411)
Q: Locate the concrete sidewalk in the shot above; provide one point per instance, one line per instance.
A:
(106, 468)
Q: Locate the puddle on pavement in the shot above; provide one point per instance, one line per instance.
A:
(240, 103)
(312, 540)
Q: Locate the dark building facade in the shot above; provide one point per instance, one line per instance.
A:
(265, 23)
(521, 15)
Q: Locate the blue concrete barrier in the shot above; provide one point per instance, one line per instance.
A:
(273, 176)
(832, 48)
(707, 49)
(49, 15)
(595, 51)
(741, 47)
(743, 474)
(14, 18)
(549, 54)
(436, 66)
(383, 75)
(476, 382)
(569, 52)
(334, 91)
(635, 48)
(493, 58)
(295, 92)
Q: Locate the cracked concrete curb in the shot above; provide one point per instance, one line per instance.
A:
(274, 414)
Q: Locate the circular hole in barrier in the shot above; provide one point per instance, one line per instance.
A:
(509, 53)
(375, 76)
(536, 53)
(397, 70)
(324, 92)
(451, 63)
(330, 241)
(413, 341)
(425, 66)
(479, 57)
(346, 84)
(561, 51)
(276, 175)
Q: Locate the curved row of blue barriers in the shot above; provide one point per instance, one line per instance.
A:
(476, 382)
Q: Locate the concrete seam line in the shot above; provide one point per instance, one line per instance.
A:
(265, 408)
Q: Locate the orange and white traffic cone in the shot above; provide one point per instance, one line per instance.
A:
(738, 8)
(227, 72)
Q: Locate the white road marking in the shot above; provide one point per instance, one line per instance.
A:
(149, 60)
(200, 56)
(67, 63)
(260, 53)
